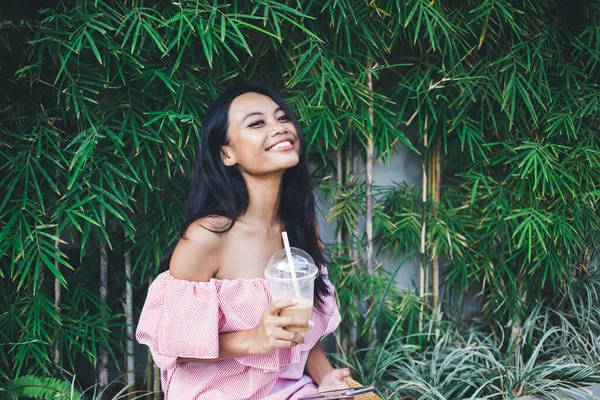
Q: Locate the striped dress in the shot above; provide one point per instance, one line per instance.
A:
(183, 319)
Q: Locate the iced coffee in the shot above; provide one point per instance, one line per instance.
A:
(285, 284)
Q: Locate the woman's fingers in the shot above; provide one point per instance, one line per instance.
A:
(282, 334)
(341, 374)
(282, 344)
(334, 379)
(279, 305)
(289, 336)
(296, 321)
(296, 338)
(272, 326)
(289, 341)
(278, 333)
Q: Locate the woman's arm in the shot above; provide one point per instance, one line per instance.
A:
(320, 370)
(317, 364)
(231, 345)
(265, 337)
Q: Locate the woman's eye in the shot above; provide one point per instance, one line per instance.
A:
(256, 123)
(284, 118)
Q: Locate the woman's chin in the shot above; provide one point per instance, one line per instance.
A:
(286, 163)
(268, 167)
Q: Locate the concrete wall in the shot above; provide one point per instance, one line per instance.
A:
(403, 166)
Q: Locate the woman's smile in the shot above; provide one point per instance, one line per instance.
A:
(282, 145)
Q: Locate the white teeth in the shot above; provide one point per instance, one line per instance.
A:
(280, 145)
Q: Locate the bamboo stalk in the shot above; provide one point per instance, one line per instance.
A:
(353, 172)
(157, 389)
(349, 233)
(103, 362)
(369, 197)
(369, 177)
(57, 299)
(340, 180)
(344, 342)
(130, 358)
(355, 161)
(423, 259)
(41, 276)
(57, 285)
(436, 184)
(346, 232)
(153, 384)
(150, 366)
(149, 372)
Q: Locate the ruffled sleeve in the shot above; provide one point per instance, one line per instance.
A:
(180, 319)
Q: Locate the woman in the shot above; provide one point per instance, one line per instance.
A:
(208, 320)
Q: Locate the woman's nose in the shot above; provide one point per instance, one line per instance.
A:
(278, 128)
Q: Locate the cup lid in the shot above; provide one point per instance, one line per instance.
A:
(278, 267)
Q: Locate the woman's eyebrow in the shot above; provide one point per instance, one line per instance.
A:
(260, 113)
(251, 114)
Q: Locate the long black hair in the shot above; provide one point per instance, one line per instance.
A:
(219, 190)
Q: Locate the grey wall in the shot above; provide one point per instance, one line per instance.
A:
(404, 165)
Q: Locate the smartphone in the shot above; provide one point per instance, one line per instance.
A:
(340, 393)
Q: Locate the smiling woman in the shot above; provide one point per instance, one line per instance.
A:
(254, 137)
(209, 319)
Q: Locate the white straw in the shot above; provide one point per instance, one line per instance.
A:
(288, 251)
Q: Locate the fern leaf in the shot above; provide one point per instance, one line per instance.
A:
(37, 387)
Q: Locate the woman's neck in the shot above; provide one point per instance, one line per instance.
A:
(263, 201)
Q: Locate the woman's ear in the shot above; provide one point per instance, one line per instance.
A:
(227, 155)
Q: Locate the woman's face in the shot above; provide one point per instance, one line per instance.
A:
(262, 138)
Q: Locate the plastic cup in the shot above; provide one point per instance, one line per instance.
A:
(282, 285)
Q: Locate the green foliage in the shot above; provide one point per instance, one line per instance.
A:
(392, 311)
(34, 387)
(560, 353)
(100, 110)
(83, 324)
(576, 320)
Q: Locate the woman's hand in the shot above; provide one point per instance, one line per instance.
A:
(269, 334)
(334, 379)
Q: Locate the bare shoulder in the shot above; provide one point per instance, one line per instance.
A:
(197, 256)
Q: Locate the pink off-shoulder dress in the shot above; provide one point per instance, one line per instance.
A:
(183, 319)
